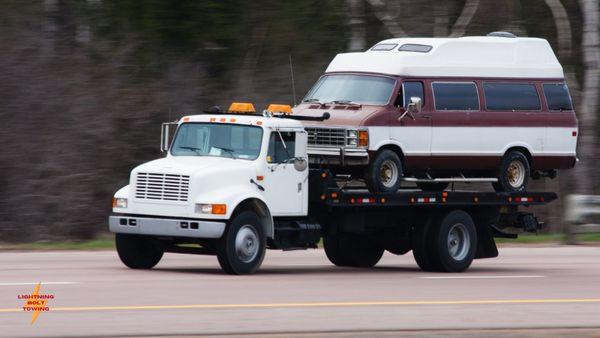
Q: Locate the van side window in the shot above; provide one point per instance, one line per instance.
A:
(281, 151)
(412, 89)
(511, 96)
(557, 96)
(455, 96)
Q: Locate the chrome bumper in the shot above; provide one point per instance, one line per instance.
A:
(165, 227)
(338, 155)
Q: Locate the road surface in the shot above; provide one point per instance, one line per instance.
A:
(540, 291)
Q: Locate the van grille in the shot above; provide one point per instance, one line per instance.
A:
(326, 136)
(167, 187)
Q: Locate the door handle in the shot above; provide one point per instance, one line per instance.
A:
(426, 116)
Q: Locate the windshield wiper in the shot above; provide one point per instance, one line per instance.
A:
(313, 100)
(197, 150)
(231, 152)
(348, 102)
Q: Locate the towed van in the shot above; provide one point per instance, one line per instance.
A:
(439, 110)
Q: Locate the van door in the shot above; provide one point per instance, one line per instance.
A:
(286, 188)
(412, 132)
(452, 138)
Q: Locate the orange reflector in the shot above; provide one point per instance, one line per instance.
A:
(279, 108)
(213, 119)
(114, 203)
(241, 107)
(352, 200)
(232, 120)
(259, 123)
(363, 138)
(260, 178)
(323, 197)
(222, 119)
(510, 199)
(334, 195)
(445, 194)
(382, 200)
(219, 209)
(186, 119)
(323, 175)
(541, 199)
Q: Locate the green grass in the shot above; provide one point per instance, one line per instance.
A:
(548, 238)
(95, 244)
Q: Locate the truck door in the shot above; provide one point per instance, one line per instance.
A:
(413, 135)
(286, 187)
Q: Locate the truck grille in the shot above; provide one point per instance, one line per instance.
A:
(326, 136)
(167, 187)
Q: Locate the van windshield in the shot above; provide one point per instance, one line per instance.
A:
(218, 139)
(363, 89)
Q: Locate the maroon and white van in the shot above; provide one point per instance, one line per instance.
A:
(440, 110)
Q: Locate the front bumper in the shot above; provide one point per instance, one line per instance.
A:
(338, 155)
(129, 224)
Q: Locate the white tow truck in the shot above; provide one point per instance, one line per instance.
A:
(234, 184)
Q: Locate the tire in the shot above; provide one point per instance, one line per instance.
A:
(514, 173)
(433, 186)
(452, 242)
(137, 252)
(352, 250)
(420, 245)
(385, 172)
(241, 249)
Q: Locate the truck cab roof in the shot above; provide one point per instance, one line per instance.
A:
(247, 119)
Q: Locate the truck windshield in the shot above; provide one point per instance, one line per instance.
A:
(363, 89)
(218, 139)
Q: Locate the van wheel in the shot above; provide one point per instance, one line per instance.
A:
(453, 242)
(385, 172)
(137, 252)
(514, 173)
(432, 186)
(241, 249)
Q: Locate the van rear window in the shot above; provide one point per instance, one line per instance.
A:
(511, 96)
(557, 96)
(455, 96)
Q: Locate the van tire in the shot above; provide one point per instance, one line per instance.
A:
(514, 173)
(241, 249)
(432, 186)
(137, 252)
(454, 227)
(385, 172)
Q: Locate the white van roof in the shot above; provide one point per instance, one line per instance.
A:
(474, 56)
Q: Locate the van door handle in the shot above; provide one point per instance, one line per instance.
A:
(426, 116)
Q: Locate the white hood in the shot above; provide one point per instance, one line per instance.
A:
(190, 165)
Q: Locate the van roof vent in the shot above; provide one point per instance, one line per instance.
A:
(502, 34)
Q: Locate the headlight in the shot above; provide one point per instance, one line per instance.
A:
(215, 209)
(357, 138)
(119, 203)
(352, 133)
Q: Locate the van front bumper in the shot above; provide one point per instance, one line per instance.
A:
(131, 224)
(338, 155)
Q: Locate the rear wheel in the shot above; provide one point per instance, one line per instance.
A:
(137, 252)
(241, 249)
(432, 186)
(354, 250)
(385, 172)
(453, 242)
(514, 172)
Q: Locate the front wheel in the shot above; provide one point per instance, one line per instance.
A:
(385, 173)
(513, 174)
(242, 247)
(137, 252)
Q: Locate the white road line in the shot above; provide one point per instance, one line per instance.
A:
(35, 283)
(479, 277)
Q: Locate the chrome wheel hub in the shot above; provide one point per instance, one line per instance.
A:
(516, 174)
(246, 243)
(388, 174)
(459, 242)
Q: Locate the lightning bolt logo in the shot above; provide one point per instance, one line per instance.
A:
(36, 303)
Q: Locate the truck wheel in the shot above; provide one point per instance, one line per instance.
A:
(513, 174)
(137, 252)
(362, 251)
(453, 242)
(241, 249)
(385, 172)
(333, 250)
(432, 186)
(420, 245)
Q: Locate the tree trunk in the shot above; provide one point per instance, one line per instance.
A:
(382, 12)
(356, 21)
(468, 12)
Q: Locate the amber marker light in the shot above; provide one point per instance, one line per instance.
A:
(363, 138)
(285, 109)
(241, 108)
(260, 178)
(334, 195)
(186, 119)
(219, 209)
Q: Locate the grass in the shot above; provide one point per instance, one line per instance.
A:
(108, 243)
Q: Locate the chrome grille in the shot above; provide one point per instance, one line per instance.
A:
(166, 187)
(326, 136)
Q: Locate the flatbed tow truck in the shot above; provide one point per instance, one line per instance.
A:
(233, 185)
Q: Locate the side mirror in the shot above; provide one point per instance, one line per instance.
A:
(415, 105)
(300, 164)
(166, 132)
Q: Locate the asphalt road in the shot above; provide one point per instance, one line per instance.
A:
(527, 291)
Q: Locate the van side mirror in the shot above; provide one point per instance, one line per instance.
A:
(415, 105)
(166, 131)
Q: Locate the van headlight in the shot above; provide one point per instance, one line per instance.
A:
(357, 138)
(119, 202)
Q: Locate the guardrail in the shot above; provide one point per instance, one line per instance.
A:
(582, 215)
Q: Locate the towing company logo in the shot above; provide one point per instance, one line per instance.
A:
(36, 302)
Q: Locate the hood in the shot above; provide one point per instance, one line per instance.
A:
(340, 115)
(190, 165)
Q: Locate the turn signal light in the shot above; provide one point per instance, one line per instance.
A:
(241, 107)
(363, 138)
(219, 209)
(280, 108)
